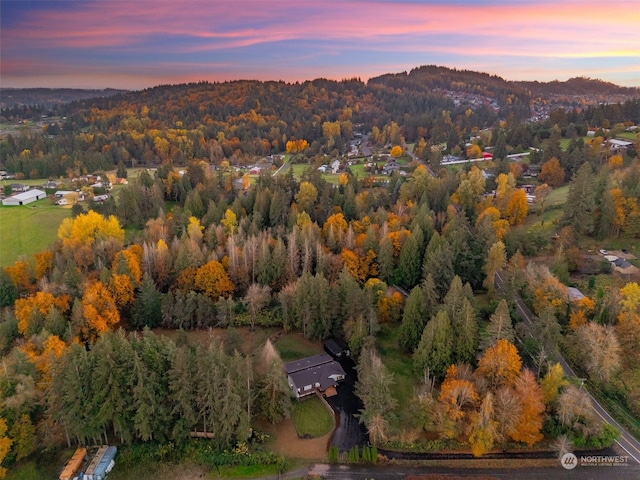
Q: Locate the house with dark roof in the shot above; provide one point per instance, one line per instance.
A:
(622, 266)
(337, 348)
(316, 374)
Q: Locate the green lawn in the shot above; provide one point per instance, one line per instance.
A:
(401, 365)
(293, 346)
(558, 196)
(311, 418)
(26, 230)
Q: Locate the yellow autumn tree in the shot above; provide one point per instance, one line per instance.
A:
(516, 207)
(630, 301)
(212, 279)
(99, 311)
(396, 151)
(230, 222)
(306, 196)
(89, 227)
(615, 162)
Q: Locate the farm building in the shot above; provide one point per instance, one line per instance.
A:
(24, 198)
(316, 374)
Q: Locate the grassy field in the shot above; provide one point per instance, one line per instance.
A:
(311, 418)
(558, 196)
(401, 365)
(293, 346)
(26, 230)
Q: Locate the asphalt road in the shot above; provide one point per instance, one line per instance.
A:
(395, 472)
(626, 442)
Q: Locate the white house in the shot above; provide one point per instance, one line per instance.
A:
(24, 198)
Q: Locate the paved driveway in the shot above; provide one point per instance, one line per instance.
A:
(346, 404)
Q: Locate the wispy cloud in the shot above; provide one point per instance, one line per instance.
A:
(266, 38)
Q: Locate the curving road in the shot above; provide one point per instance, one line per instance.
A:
(626, 441)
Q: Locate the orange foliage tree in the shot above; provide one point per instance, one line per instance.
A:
(552, 173)
(41, 303)
(44, 263)
(500, 364)
(531, 419)
(457, 396)
(99, 311)
(22, 276)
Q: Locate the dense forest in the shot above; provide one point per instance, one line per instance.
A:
(409, 258)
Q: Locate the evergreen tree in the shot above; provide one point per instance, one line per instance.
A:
(147, 308)
(414, 320)
(274, 397)
(436, 347)
(580, 205)
(438, 261)
(182, 392)
(500, 326)
(407, 273)
(465, 330)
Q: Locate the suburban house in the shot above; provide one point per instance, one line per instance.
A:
(390, 167)
(622, 266)
(19, 187)
(24, 198)
(316, 374)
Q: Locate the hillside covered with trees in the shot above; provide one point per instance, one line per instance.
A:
(401, 266)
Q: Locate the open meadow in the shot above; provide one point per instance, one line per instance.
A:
(28, 229)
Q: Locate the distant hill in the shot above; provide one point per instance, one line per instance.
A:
(48, 97)
(577, 86)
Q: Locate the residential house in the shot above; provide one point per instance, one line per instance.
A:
(19, 187)
(390, 167)
(316, 374)
(622, 266)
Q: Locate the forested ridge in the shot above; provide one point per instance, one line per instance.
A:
(241, 120)
(206, 246)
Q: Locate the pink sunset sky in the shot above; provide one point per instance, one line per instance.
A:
(136, 44)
